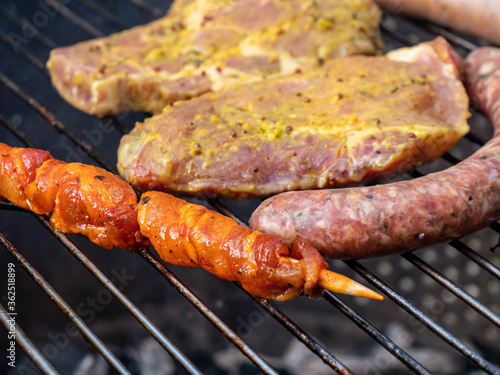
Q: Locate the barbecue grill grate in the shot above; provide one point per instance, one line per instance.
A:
(27, 35)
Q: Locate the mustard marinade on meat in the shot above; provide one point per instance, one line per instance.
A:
(206, 45)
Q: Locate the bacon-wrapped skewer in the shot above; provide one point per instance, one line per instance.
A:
(187, 234)
(83, 199)
(90, 201)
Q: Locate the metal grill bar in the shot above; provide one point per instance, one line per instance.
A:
(117, 124)
(327, 358)
(238, 342)
(35, 61)
(155, 12)
(299, 333)
(28, 56)
(423, 318)
(476, 138)
(25, 343)
(212, 317)
(16, 19)
(370, 277)
(447, 34)
(20, 134)
(390, 346)
(64, 307)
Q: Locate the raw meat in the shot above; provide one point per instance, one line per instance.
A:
(394, 218)
(205, 45)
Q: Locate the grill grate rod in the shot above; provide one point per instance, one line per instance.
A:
(237, 341)
(55, 122)
(452, 287)
(71, 16)
(24, 53)
(476, 138)
(10, 15)
(127, 303)
(451, 159)
(329, 359)
(29, 348)
(240, 344)
(423, 318)
(80, 22)
(412, 310)
(16, 131)
(41, 66)
(436, 29)
(209, 314)
(64, 307)
(356, 318)
(478, 259)
(467, 251)
(35, 61)
(301, 335)
(104, 13)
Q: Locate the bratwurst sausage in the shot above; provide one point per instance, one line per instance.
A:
(380, 220)
(479, 18)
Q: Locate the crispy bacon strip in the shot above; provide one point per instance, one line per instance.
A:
(83, 199)
(187, 234)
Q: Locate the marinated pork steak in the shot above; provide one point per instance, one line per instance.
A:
(373, 221)
(354, 119)
(205, 45)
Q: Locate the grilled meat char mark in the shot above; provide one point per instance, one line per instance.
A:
(205, 45)
(402, 216)
(83, 199)
(354, 119)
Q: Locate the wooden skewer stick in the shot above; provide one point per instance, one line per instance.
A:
(338, 283)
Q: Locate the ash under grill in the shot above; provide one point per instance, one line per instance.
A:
(95, 310)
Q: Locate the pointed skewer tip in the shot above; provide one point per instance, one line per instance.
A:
(338, 283)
